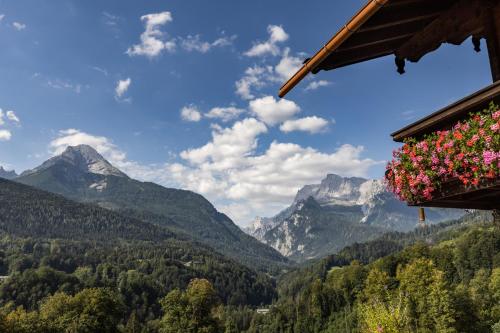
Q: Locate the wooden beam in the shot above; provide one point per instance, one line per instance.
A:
(371, 37)
(492, 32)
(390, 17)
(462, 20)
(343, 58)
(456, 204)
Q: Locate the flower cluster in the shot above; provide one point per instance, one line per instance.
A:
(469, 152)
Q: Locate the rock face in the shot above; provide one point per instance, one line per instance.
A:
(80, 173)
(325, 217)
(7, 174)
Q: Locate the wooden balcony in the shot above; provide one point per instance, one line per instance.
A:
(454, 194)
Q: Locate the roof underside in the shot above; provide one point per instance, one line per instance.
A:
(409, 29)
(394, 24)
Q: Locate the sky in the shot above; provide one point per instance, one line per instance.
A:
(184, 93)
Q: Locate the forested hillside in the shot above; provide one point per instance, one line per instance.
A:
(26, 211)
(80, 173)
(448, 281)
(443, 278)
(49, 244)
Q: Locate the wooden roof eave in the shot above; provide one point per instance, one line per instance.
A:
(338, 39)
(408, 29)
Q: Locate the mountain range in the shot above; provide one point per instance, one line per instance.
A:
(7, 174)
(325, 217)
(81, 174)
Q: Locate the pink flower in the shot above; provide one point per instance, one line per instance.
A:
(489, 156)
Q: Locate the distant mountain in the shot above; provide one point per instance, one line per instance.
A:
(7, 174)
(83, 158)
(337, 212)
(80, 173)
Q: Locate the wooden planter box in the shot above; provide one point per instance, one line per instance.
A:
(454, 194)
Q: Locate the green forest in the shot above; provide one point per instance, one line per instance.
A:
(72, 267)
(444, 278)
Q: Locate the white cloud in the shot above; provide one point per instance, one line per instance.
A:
(100, 70)
(19, 26)
(288, 65)
(2, 17)
(224, 113)
(62, 84)
(228, 144)
(5, 135)
(308, 124)
(258, 77)
(276, 35)
(272, 111)
(152, 43)
(313, 85)
(194, 43)
(12, 116)
(190, 113)
(122, 87)
(230, 171)
(255, 77)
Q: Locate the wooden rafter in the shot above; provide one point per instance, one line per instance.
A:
(464, 19)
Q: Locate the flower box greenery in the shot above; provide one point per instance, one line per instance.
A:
(468, 153)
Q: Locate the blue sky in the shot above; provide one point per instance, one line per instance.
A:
(184, 93)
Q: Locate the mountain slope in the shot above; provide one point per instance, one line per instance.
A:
(29, 212)
(74, 175)
(313, 231)
(7, 174)
(345, 210)
(33, 223)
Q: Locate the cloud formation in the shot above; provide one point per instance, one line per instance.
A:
(272, 111)
(122, 87)
(190, 113)
(276, 35)
(5, 135)
(152, 43)
(225, 114)
(260, 76)
(11, 115)
(312, 125)
(6, 118)
(313, 85)
(19, 26)
(193, 43)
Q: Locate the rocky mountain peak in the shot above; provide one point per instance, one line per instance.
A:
(334, 189)
(85, 158)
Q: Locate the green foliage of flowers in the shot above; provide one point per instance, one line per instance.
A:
(469, 152)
